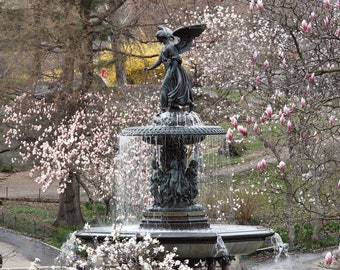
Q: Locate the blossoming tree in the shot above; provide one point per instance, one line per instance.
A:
(297, 83)
(282, 58)
(80, 150)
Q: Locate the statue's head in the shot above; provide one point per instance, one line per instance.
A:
(163, 33)
(193, 164)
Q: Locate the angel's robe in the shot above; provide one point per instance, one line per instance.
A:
(176, 87)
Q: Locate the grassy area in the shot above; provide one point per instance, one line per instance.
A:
(212, 159)
(34, 219)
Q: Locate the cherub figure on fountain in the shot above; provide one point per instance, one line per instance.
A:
(156, 178)
(191, 176)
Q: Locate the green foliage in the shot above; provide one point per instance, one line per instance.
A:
(303, 232)
(100, 207)
(283, 232)
(60, 234)
(332, 226)
(32, 210)
(304, 237)
(90, 213)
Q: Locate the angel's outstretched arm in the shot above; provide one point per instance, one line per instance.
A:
(156, 64)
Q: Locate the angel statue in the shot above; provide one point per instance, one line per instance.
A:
(176, 87)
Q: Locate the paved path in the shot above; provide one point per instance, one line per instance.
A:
(19, 251)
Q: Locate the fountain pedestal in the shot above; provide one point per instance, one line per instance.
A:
(175, 220)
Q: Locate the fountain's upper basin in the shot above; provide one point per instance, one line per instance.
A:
(194, 244)
(153, 130)
(169, 134)
(174, 126)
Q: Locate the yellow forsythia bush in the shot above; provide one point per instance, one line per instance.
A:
(134, 66)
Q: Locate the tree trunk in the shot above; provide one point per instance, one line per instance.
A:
(69, 204)
(120, 73)
(85, 51)
(117, 47)
(35, 71)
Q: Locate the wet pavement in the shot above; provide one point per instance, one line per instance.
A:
(298, 261)
(19, 251)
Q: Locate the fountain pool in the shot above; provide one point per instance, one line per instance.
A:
(195, 244)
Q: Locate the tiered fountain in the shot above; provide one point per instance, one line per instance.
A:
(174, 218)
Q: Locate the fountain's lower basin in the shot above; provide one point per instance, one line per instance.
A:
(194, 244)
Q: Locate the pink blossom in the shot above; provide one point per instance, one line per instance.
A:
(326, 3)
(280, 114)
(303, 102)
(338, 3)
(304, 25)
(282, 165)
(269, 112)
(339, 188)
(328, 258)
(257, 79)
(243, 130)
(242, 99)
(263, 118)
(293, 107)
(282, 120)
(256, 128)
(255, 56)
(309, 28)
(286, 111)
(283, 63)
(229, 134)
(266, 64)
(338, 32)
(261, 165)
(307, 76)
(331, 120)
(248, 120)
(259, 5)
(326, 21)
(289, 125)
(251, 6)
(312, 78)
(233, 122)
(308, 89)
(312, 16)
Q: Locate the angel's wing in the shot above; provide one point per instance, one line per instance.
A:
(186, 35)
